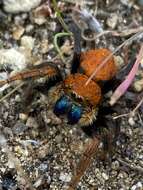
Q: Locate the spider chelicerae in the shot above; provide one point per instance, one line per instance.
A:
(82, 104)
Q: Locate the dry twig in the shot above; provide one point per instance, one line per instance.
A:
(135, 168)
(132, 113)
(11, 92)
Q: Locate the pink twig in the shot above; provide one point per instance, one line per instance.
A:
(122, 88)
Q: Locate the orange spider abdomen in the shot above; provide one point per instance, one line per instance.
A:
(91, 59)
(76, 84)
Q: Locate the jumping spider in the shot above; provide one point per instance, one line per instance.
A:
(82, 104)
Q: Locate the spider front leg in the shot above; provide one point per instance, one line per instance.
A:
(109, 135)
(45, 70)
(107, 151)
(85, 161)
(104, 129)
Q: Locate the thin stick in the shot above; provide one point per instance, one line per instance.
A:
(122, 115)
(123, 33)
(11, 92)
(59, 35)
(60, 17)
(131, 113)
(135, 168)
(138, 105)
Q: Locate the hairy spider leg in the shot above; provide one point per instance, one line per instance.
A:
(85, 161)
(77, 48)
(101, 130)
(44, 69)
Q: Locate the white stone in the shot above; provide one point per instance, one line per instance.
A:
(138, 85)
(12, 59)
(16, 6)
(10, 164)
(65, 177)
(27, 42)
(119, 61)
(38, 182)
(3, 141)
(139, 185)
(3, 76)
(23, 116)
(105, 176)
(131, 121)
(112, 20)
(2, 170)
(40, 20)
(18, 32)
(133, 187)
(31, 122)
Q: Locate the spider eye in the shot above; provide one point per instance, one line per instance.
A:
(74, 114)
(61, 106)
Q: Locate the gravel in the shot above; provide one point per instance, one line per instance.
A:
(40, 149)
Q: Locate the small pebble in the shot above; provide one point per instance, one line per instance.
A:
(44, 46)
(43, 167)
(41, 13)
(65, 177)
(58, 138)
(137, 186)
(3, 140)
(128, 3)
(122, 175)
(12, 59)
(29, 28)
(18, 32)
(44, 10)
(38, 182)
(119, 61)
(23, 116)
(10, 164)
(27, 42)
(91, 180)
(138, 85)
(17, 6)
(31, 122)
(3, 76)
(112, 21)
(105, 176)
(115, 165)
(131, 121)
(19, 128)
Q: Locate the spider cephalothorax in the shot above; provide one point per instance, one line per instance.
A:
(75, 100)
